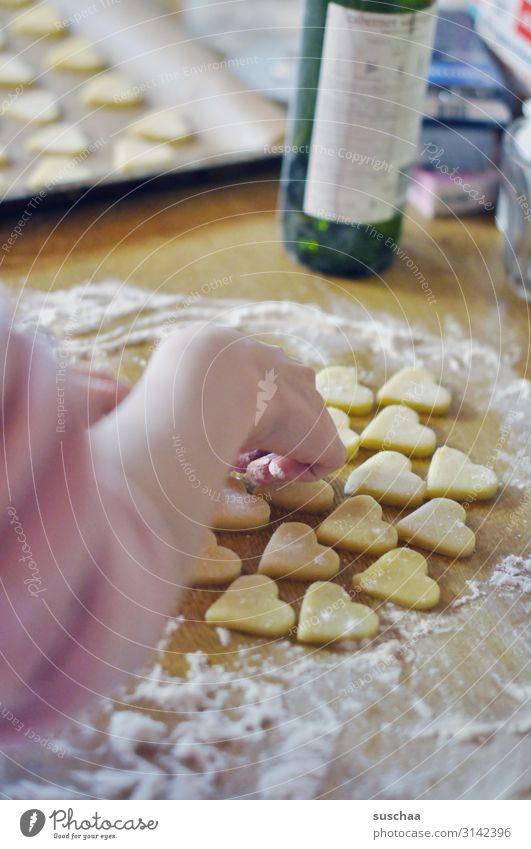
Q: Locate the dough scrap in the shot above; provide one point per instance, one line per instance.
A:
(134, 156)
(400, 576)
(40, 21)
(453, 475)
(238, 510)
(168, 125)
(38, 107)
(439, 526)
(340, 388)
(75, 54)
(328, 615)
(397, 428)
(215, 565)
(110, 89)
(387, 476)
(357, 525)
(416, 388)
(251, 605)
(311, 497)
(56, 171)
(62, 139)
(293, 552)
(15, 71)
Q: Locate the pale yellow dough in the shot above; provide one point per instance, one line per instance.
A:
(238, 510)
(57, 171)
(251, 605)
(340, 388)
(110, 89)
(40, 21)
(134, 156)
(397, 428)
(14, 4)
(348, 437)
(293, 552)
(453, 475)
(4, 157)
(37, 107)
(74, 54)
(439, 526)
(416, 388)
(388, 478)
(328, 616)
(215, 564)
(14, 71)
(357, 525)
(169, 125)
(400, 576)
(311, 497)
(60, 139)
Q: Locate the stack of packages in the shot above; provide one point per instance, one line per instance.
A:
(468, 105)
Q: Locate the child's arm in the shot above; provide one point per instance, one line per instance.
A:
(98, 526)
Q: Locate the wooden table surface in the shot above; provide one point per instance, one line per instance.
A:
(178, 241)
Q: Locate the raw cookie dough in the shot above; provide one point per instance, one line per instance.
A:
(388, 478)
(38, 107)
(453, 475)
(251, 604)
(400, 576)
(168, 125)
(75, 54)
(439, 526)
(357, 525)
(59, 139)
(328, 615)
(416, 388)
(4, 158)
(56, 171)
(349, 437)
(14, 71)
(340, 388)
(14, 4)
(215, 565)
(293, 552)
(397, 428)
(134, 156)
(238, 510)
(110, 89)
(311, 497)
(39, 21)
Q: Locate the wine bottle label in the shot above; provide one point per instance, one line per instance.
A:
(368, 112)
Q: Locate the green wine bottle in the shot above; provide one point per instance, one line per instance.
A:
(354, 129)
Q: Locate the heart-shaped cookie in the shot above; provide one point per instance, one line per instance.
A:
(311, 497)
(164, 125)
(340, 388)
(15, 72)
(348, 437)
(328, 616)
(251, 604)
(110, 89)
(439, 526)
(416, 388)
(40, 21)
(400, 576)
(238, 510)
(33, 107)
(58, 140)
(387, 476)
(453, 475)
(215, 564)
(357, 525)
(293, 552)
(397, 428)
(75, 54)
(134, 156)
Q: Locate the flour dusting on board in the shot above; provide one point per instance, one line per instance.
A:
(291, 722)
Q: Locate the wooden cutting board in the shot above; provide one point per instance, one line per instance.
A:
(439, 712)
